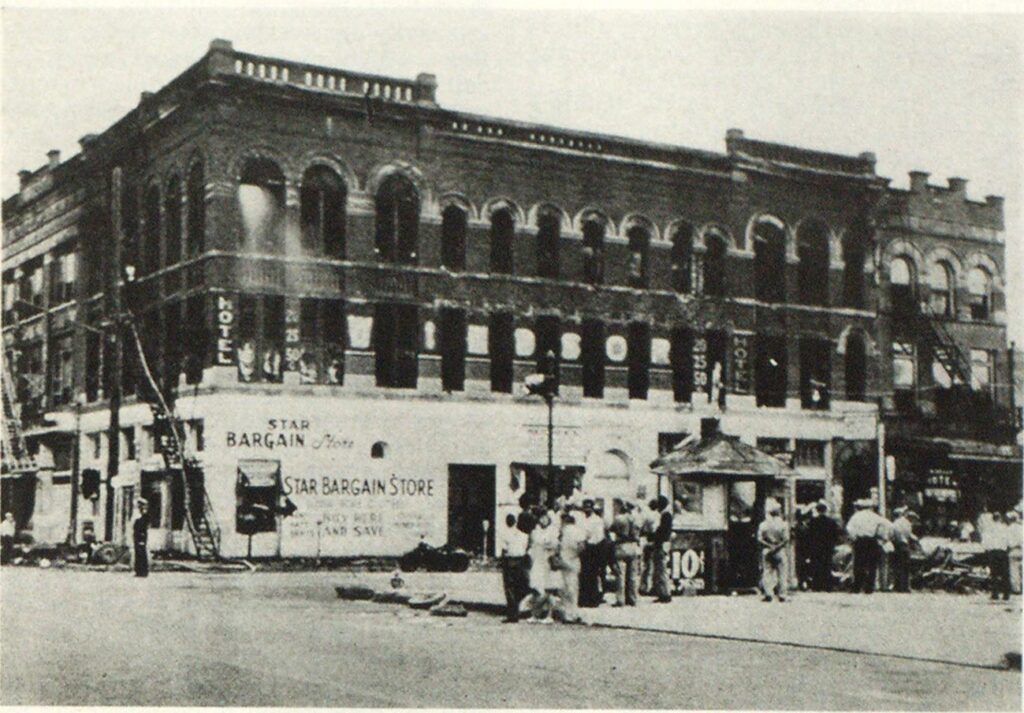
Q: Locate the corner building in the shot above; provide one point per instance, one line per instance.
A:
(342, 286)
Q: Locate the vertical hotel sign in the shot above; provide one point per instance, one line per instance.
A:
(741, 366)
(225, 346)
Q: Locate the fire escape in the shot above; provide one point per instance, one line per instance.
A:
(16, 458)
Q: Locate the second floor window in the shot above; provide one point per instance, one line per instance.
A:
(815, 373)
(261, 201)
(812, 246)
(901, 286)
(942, 290)
(61, 371)
(769, 237)
(548, 237)
(503, 230)
(398, 216)
(593, 251)
(63, 272)
(639, 243)
(981, 369)
(770, 371)
(714, 265)
(196, 222)
(979, 286)
(453, 238)
(682, 258)
(322, 211)
(856, 367)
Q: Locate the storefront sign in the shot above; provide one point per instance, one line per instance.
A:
(741, 364)
(292, 335)
(225, 329)
(700, 363)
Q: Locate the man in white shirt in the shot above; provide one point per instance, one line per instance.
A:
(867, 530)
(515, 570)
(995, 541)
(591, 562)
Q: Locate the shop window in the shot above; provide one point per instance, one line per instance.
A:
(195, 339)
(273, 338)
(639, 245)
(902, 290)
(258, 491)
(904, 375)
(809, 454)
(396, 343)
(815, 373)
(502, 235)
(63, 271)
(501, 347)
(261, 202)
(812, 247)
(593, 251)
(172, 218)
(769, 237)
(942, 290)
(453, 238)
(149, 257)
(639, 354)
(549, 344)
(548, 236)
(128, 450)
(322, 200)
(981, 369)
(682, 258)
(196, 221)
(714, 265)
(398, 216)
(979, 287)
(856, 366)
(770, 371)
(453, 349)
(681, 358)
(593, 358)
(335, 335)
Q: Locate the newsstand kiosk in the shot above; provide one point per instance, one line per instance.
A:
(718, 487)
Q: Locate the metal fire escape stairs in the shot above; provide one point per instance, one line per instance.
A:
(169, 440)
(16, 457)
(944, 347)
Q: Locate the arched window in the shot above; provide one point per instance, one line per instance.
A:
(769, 260)
(714, 265)
(172, 216)
(323, 198)
(854, 251)
(196, 223)
(639, 242)
(979, 286)
(812, 247)
(682, 258)
(901, 286)
(549, 228)
(398, 218)
(856, 367)
(942, 290)
(503, 229)
(453, 238)
(261, 201)
(593, 251)
(129, 226)
(150, 249)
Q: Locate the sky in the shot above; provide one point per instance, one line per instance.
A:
(943, 93)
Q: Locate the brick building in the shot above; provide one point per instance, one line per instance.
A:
(341, 287)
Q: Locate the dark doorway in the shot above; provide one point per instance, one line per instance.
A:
(746, 510)
(470, 503)
(542, 489)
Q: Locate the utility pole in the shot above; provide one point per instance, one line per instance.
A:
(117, 360)
(75, 474)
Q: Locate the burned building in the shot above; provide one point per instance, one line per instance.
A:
(339, 286)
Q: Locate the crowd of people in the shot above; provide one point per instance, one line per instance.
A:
(556, 559)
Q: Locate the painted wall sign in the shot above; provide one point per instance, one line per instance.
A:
(476, 339)
(741, 364)
(660, 351)
(700, 363)
(616, 348)
(359, 330)
(570, 346)
(225, 330)
(525, 342)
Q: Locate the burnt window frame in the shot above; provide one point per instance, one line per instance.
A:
(769, 247)
(594, 230)
(713, 269)
(813, 269)
(452, 330)
(815, 373)
(502, 237)
(266, 174)
(638, 238)
(454, 232)
(681, 341)
(395, 342)
(855, 364)
(549, 237)
(771, 382)
(195, 210)
(397, 206)
(173, 222)
(593, 357)
(501, 351)
(683, 235)
(638, 355)
(323, 212)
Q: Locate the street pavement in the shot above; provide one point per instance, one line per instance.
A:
(277, 639)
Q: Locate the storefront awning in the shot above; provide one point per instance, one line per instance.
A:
(715, 454)
(964, 449)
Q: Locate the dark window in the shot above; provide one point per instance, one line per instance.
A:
(769, 261)
(815, 373)
(307, 350)
(681, 357)
(502, 235)
(128, 436)
(593, 251)
(272, 346)
(856, 367)
(809, 453)
(453, 349)
(548, 235)
(770, 371)
(855, 244)
(196, 222)
(812, 246)
(639, 244)
(172, 218)
(549, 344)
(131, 371)
(173, 334)
(398, 216)
(130, 254)
(195, 341)
(639, 351)
(717, 350)
(682, 258)
(150, 336)
(979, 286)
(153, 495)
(714, 266)
(261, 201)
(942, 290)
(63, 271)
(246, 346)
(150, 257)
(501, 346)
(395, 343)
(902, 287)
(453, 238)
(93, 357)
(322, 201)
(61, 371)
(335, 334)
(592, 351)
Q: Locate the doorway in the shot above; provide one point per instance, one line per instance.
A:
(746, 510)
(470, 504)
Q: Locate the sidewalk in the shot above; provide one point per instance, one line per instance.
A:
(961, 629)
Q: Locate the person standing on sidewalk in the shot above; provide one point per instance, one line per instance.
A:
(773, 536)
(866, 529)
(903, 539)
(1014, 537)
(140, 539)
(515, 574)
(570, 546)
(995, 540)
(648, 523)
(661, 541)
(822, 535)
(545, 582)
(592, 562)
(8, 529)
(625, 533)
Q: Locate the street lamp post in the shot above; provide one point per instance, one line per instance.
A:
(544, 383)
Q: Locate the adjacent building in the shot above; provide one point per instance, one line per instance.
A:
(341, 286)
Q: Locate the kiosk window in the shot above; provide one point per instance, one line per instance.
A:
(258, 490)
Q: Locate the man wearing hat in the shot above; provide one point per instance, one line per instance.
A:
(903, 539)
(773, 536)
(822, 535)
(140, 539)
(592, 561)
(866, 529)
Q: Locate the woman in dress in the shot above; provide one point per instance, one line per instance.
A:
(543, 579)
(571, 544)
